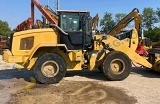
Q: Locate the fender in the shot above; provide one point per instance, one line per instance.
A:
(45, 45)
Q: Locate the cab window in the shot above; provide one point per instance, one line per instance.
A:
(71, 23)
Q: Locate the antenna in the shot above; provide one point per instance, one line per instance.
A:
(48, 2)
(56, 4)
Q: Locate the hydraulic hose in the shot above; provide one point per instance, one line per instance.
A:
(59, 29)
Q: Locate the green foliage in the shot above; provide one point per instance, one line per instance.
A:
(107, 22)
(149, 18)
(153, 34)
(119, 16)
(158, 13)
(4, 28)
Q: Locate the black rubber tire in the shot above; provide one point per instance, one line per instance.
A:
(100, 68)
(50, 57)
(126, 62)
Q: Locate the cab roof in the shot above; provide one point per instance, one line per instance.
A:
(74, 11)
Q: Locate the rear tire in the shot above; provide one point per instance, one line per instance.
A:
(50, 68)
(116, 66)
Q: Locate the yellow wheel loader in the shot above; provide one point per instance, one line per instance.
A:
(70, 45)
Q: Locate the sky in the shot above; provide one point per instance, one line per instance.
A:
(16, 11)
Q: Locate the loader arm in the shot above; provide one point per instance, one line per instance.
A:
(133, 15)
(118, 45)
(44, 12)
(49, 15)
(51, 12)
(94, 21)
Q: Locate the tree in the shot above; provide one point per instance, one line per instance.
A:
(119, 16)
(149, 18)
(153, 34)
(4, 28)
(107, 22)
(158, 13)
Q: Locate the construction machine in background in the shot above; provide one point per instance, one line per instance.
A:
(67, 43)
(3, 43)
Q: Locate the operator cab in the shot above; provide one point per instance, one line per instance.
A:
(76, 24)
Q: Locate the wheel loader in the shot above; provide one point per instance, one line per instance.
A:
(69, 44)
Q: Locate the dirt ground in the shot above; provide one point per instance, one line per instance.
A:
(72, 92)
(65, 92)
(79, 87)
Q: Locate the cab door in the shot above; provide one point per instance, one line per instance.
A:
(72, 24)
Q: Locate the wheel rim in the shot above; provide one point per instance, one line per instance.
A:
(117, 66)
(50, 69)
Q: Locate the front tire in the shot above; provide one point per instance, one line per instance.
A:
(116, 66)
(50, 68)
(100, 68)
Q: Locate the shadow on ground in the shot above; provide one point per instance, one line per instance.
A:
(26, 74)
(96, 74)
(14, 73)
(149, 73)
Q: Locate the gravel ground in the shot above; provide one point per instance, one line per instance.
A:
(141, 87)
(142, 84)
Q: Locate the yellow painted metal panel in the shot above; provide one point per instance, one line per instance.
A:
(41, 36)
(8, 57)
(118, 45)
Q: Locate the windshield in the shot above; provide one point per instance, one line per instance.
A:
(71, 23)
